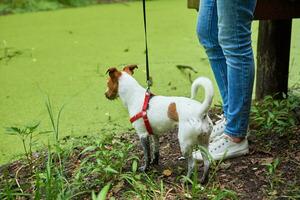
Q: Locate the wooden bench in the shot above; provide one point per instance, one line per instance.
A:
(274, 40)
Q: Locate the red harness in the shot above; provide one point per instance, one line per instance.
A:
(143, 113)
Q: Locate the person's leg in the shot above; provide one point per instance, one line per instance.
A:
(207, 31)
(234, 35)
(234, 23)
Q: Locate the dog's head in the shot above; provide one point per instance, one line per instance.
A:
(113, 80)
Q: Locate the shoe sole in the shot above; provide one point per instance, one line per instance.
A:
(236, 154)
(197, 155)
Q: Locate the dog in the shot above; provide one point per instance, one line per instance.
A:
(165, 113)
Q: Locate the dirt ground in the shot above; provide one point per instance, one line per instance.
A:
(246, 175)
(249, 176)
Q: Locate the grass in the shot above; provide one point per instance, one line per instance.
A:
(278, 116)
(65, 54)
(106, 167)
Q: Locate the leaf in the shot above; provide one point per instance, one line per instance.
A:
(45, 132)
(118, 187)
(89, 148)
(33, 127)
(103, 193)
(110, 169)
(108, 147)
(167, 172)
(225, 165)
(13, 130)
(134, 166)
(266, 161)
(297, 157)
(94, 197)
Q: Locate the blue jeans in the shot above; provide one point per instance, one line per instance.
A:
(224, 29)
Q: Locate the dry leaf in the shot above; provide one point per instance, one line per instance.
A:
(108, 147)
(266, 161)
(118, 187)
(240, 168)
(297, 157)
(167, 172)
(225, 165)
(293, 142)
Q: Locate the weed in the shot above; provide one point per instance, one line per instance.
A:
(25, 133)
(7, 53)
(54, 121)
(143, 186)
(103, 162)
(102, 194)
(275, 115)
(274, 178)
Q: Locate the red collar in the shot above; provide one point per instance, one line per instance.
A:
(143, 113)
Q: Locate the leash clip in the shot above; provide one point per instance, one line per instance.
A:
(149, 83)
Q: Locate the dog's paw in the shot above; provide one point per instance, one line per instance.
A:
(144, 168)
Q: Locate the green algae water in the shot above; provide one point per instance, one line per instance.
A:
(65, 53)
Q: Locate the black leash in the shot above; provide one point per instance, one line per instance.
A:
(149, 80)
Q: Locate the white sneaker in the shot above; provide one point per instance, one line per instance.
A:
(223, 148)
(218, 128)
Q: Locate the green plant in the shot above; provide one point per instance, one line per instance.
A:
(194, 190)
(54, 121)
(275, 115)
(102, 194)
(103, 162)
(274, 178)
(26, 135)
(8, 189)
(143, 186)
(51, 183)
(211, 190)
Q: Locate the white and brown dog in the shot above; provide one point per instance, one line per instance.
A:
(164, 113)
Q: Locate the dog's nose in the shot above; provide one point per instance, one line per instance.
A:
(106, 95)
(110, 97)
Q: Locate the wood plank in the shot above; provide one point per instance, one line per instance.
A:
(269, 9)
(277, 9)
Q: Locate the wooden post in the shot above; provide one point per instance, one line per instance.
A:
(273, 53)
(193, 4)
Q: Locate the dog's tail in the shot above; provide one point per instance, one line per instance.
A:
(209, 91)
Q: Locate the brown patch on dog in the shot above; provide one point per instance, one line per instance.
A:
(172, 112)
(112, 83)
(130, 69)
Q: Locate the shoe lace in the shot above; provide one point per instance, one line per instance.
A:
(221, 119)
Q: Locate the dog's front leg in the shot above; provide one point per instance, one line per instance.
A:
(155, 150)
(146, 148)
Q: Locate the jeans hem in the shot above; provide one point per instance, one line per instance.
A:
(236, 135)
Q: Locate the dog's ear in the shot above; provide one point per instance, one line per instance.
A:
(113, 72)
(130, 69)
